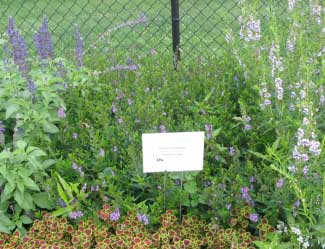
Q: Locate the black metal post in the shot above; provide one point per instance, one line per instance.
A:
(175, 31)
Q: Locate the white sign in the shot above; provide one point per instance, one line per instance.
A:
(178, 151)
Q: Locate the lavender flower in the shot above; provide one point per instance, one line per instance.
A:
(74, 135)
(253, 30)
(253, 217)
(77, 168)
(305, 170)
(114, 108)
(79, 48)
(101, 152)
(232, 151)
(76, 215)
(162, 129)
(228, 206)
(291, 4)
(61, 112)
(43, 42)
(245, 195)
(2, 128)
(208, 128)
(279, 183)
(143, 218)
(114, 216)
(61, 203)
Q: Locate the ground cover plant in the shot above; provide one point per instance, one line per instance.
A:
(71, 141)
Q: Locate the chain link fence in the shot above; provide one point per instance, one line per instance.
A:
(122, 25)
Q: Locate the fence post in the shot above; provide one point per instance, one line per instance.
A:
(175, 31)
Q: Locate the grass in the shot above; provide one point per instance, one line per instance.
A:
(202, 23)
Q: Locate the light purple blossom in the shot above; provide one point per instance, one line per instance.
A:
(247, 127)
(253, 217)
(279, 183)
(101, 152)
(76, 215)
(305, 170)
(162, 129)
(143, 218)
(61, 112)
(245, 195)
(74, 135)
(79, 48)
(77, 168)
(232, 151)
(2, 128)
(228, 206)
(115, 215)
(208, 129)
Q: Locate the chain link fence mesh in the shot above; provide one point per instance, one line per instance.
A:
(121, 25)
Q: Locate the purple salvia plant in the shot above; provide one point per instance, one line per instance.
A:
(11, 29)
(43, 42)
(19, 48)
(79, 48)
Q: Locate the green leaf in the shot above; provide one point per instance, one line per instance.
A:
(29, 183)
(21, 144)
(62, 193)
(190, 187)
(7, 192)
(5, 155)
(5, 223)
(43, 200)
(4, 229)
(24, 200)
(11, 109)
(25, 219)
(35, 163)
(37, 153)
(47, 163)
(259, 155)
(63, 211)
(49, 127)
(21, 186)
(66, 187)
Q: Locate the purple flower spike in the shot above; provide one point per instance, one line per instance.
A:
(79, 48)
(11, 28)
(19, 48)
(43, 42)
